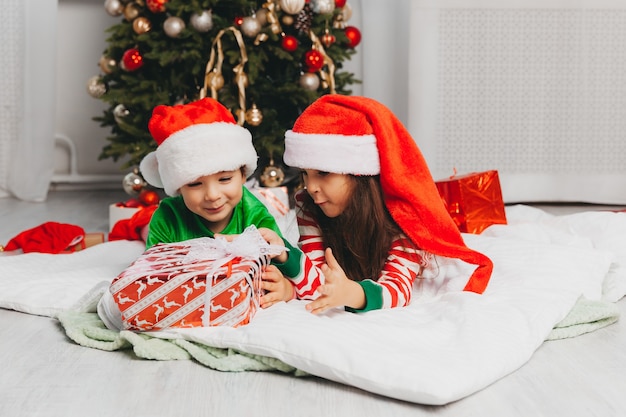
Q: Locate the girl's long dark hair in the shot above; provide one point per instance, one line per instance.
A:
(362, 235)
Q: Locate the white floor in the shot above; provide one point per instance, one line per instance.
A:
(44, 374)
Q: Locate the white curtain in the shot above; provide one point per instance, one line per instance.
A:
(27, 140)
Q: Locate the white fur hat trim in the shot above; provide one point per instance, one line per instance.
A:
(341, 154)
(196, 151)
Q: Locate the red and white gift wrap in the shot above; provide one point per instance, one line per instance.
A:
(198, 282)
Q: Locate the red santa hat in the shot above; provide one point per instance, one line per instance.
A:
(360, 136)
(195, 139)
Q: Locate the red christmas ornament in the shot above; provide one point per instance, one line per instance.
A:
(132, 60)
(149, 197)
(353, 35)
(238, 20)
(289, 43)
(156, 6)
(328, 38)
(340, 3)
(314, 60)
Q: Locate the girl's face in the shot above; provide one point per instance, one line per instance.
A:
(330, 191)
(214, 197)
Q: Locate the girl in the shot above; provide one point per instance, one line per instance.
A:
(370, 215)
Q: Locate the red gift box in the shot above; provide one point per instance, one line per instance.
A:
(473, 200)
(189, 284)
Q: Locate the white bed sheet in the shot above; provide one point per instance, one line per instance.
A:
(446, 345)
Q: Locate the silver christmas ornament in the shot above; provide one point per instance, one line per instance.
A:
(173, 26)
(133, 183)
(309, 81)
(114, 7)
(292, 6)
(323, 6)
(95, 87)
(202, 22)
(120, 112)
(250, 26)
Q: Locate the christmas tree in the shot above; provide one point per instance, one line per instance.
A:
(266, 61)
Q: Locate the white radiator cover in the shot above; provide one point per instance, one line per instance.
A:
(536, 92)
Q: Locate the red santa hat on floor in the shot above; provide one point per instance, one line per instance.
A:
(195, 139)
(359, 136)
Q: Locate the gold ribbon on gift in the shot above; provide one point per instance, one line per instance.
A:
(213, 78)
(328, 78)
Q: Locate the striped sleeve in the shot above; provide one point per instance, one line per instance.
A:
(394, 285)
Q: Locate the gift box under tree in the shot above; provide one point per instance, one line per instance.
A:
(197, 282)
(473, 200)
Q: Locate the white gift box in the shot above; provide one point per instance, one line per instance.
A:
(117, 213)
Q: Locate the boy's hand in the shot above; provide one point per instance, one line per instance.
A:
(338, 290)
(272, 238)
(277, 287)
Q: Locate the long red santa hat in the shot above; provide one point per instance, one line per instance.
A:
(360, 136)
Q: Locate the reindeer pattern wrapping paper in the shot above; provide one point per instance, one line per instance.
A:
(198, 282)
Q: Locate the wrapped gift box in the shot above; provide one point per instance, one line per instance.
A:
(119, 212)
(90, 239)
(473, 200)
(191, 284)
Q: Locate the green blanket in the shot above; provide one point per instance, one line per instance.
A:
(88, 330)
(585, 317)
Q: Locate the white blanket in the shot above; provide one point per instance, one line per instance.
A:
(446, 345)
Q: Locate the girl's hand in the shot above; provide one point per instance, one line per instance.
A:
(277, 287)
(272, 238)
(338, 290)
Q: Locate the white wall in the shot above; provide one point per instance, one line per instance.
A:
(81, 41)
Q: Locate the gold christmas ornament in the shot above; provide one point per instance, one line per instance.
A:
(261, 16)
(215, 80)
(114, 7)
(202, 22)
(346, 12)
(173, 26)
(131, 11)
(287, 20)
(107, 64)
(254, 116)
(292, 6)
(95, 87)
(141, 25)
(133, 183)
(272, 175)
(341, 18)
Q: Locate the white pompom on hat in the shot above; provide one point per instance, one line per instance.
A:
(195, 139)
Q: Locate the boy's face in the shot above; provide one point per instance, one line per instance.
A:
(214, 197)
